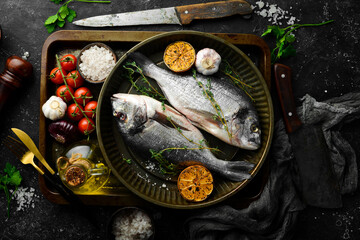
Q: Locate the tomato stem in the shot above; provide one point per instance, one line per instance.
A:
(72, 96)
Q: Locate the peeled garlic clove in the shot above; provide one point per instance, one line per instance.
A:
(207, 61)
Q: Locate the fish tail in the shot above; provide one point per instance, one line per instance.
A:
(237, 170)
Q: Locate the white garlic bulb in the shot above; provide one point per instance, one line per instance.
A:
(207, 61)
(54, 108)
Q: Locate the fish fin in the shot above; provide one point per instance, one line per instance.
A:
(171, 118)
(210, 121)
(237, 170)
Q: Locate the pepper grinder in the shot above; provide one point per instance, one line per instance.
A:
(16, 71)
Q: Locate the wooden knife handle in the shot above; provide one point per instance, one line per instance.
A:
(286, 97)
(212, 10)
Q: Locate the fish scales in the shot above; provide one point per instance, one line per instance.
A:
(144, 125)
(183, 92)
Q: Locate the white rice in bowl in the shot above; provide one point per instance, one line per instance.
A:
(132, 224)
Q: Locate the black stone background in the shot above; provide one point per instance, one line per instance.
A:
(327, 65)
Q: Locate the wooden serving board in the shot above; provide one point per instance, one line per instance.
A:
(113, 193)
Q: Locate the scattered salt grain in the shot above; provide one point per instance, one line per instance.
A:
(96, 63)
(25, 55)
(274, 13)
(25, 198)
(136, 225)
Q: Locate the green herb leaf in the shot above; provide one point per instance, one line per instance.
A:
(290, 38)
(268, 31)
(284, 39)
(15, 179)
(11, 177)
(63, 11)
(51, 27)
(57, 1)
(60, 23)
(51, 19)
(288, 51)
(71, 16)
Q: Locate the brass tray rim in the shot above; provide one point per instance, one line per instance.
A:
(240, 39)
(243, 183)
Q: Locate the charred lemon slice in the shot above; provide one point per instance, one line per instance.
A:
(179, 56)
(195, 183)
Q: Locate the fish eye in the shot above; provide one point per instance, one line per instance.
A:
(254, 128)
(120, 115)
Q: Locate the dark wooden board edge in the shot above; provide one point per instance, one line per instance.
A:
(133, 37)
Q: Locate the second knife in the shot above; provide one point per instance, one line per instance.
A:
(171, 15)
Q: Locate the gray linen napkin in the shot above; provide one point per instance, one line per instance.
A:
(274, 214)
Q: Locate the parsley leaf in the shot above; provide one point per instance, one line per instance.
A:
(284, 39)
(11, 177)
(64, 13)
(57, 1)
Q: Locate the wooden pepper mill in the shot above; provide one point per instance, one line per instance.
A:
(16, 71)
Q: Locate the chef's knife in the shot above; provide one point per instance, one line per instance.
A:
(318, 184)
(32, 147)
(171, 15)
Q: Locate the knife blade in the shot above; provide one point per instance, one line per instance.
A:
(317, 183)
(32, 147)
(171, 15)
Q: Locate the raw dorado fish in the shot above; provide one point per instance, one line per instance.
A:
(144, 123)
(184, 93)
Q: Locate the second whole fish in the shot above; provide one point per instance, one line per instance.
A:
(185, 94)
(146, 123)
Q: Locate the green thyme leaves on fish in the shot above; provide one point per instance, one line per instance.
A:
(132, 68)
(235, 77)
(145, 128)
(210, 96)
(187, 96)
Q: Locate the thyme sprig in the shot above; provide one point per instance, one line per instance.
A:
(235, 77)
(150, 91)
(200, 144)
(170, 168)
(210, 96)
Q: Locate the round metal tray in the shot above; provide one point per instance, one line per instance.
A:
(146, 183)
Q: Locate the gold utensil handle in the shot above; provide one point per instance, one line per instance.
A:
(37, 168)
(32, 147)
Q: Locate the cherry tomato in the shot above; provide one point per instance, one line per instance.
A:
(63, 93)
(90, 109)
(74, 79)
(74, 113)
(85, 126)
(68, 62)
(56, 77)
(83, 96)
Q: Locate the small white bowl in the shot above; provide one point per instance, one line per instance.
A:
(127, 212)
(99, 44)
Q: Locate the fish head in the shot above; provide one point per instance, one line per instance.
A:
(245, 129)
(130, 112)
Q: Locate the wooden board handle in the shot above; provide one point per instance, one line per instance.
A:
(212, 10)
(286, 97)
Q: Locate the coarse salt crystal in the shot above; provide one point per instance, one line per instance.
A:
(96, 63)
(274, 13)
(260, 4)
(24, 197)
